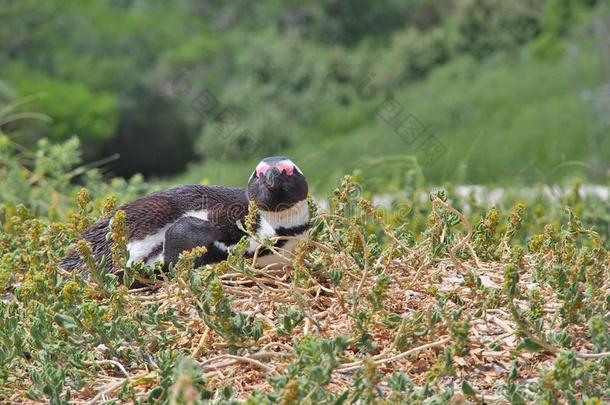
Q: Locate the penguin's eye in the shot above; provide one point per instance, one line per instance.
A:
(286, 166)
(261, 169)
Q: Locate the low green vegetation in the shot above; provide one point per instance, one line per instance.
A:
(415, 303)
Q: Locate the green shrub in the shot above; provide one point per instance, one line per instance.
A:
(74, 108)
(6, 93)
(348, 23)
(412, 54)
(558, 17)
(486, 26)
(281, 84)
(43, 180)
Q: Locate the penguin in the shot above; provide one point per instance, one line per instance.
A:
(162, 225)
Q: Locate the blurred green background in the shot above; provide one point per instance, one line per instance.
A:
(465, 91)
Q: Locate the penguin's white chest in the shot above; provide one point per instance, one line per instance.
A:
(284, 256)
(292, 218)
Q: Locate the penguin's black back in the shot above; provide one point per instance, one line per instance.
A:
(150, 214)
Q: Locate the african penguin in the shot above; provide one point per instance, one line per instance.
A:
(164, 224)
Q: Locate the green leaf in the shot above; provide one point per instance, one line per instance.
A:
(530, 346)
(66, 321)
(467, 389)
(342, 398)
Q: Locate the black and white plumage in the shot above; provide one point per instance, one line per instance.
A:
(164, 224)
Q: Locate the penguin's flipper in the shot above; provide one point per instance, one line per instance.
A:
(185, 234)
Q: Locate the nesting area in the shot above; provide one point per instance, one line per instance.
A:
(368, 312)
(492, 338)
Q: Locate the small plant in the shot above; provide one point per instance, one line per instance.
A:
(309, 374)
(234, 327)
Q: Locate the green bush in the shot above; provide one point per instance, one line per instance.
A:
(279, 86)
(81, 111)
(486, 26)
(74, 108)
(6, 93)
(43, 179)
(99, 70)
(558, 17)
(283, 74)
(348, 23)
(412, 54)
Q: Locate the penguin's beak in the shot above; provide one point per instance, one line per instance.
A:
(270, 178)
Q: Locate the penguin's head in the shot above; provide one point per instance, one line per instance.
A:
(277, 184)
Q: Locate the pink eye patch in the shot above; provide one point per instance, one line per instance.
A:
(261, 169)
(286, 167)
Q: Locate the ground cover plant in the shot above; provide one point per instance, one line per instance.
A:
(430, 300)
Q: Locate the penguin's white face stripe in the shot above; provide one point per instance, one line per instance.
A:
(298, 168)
